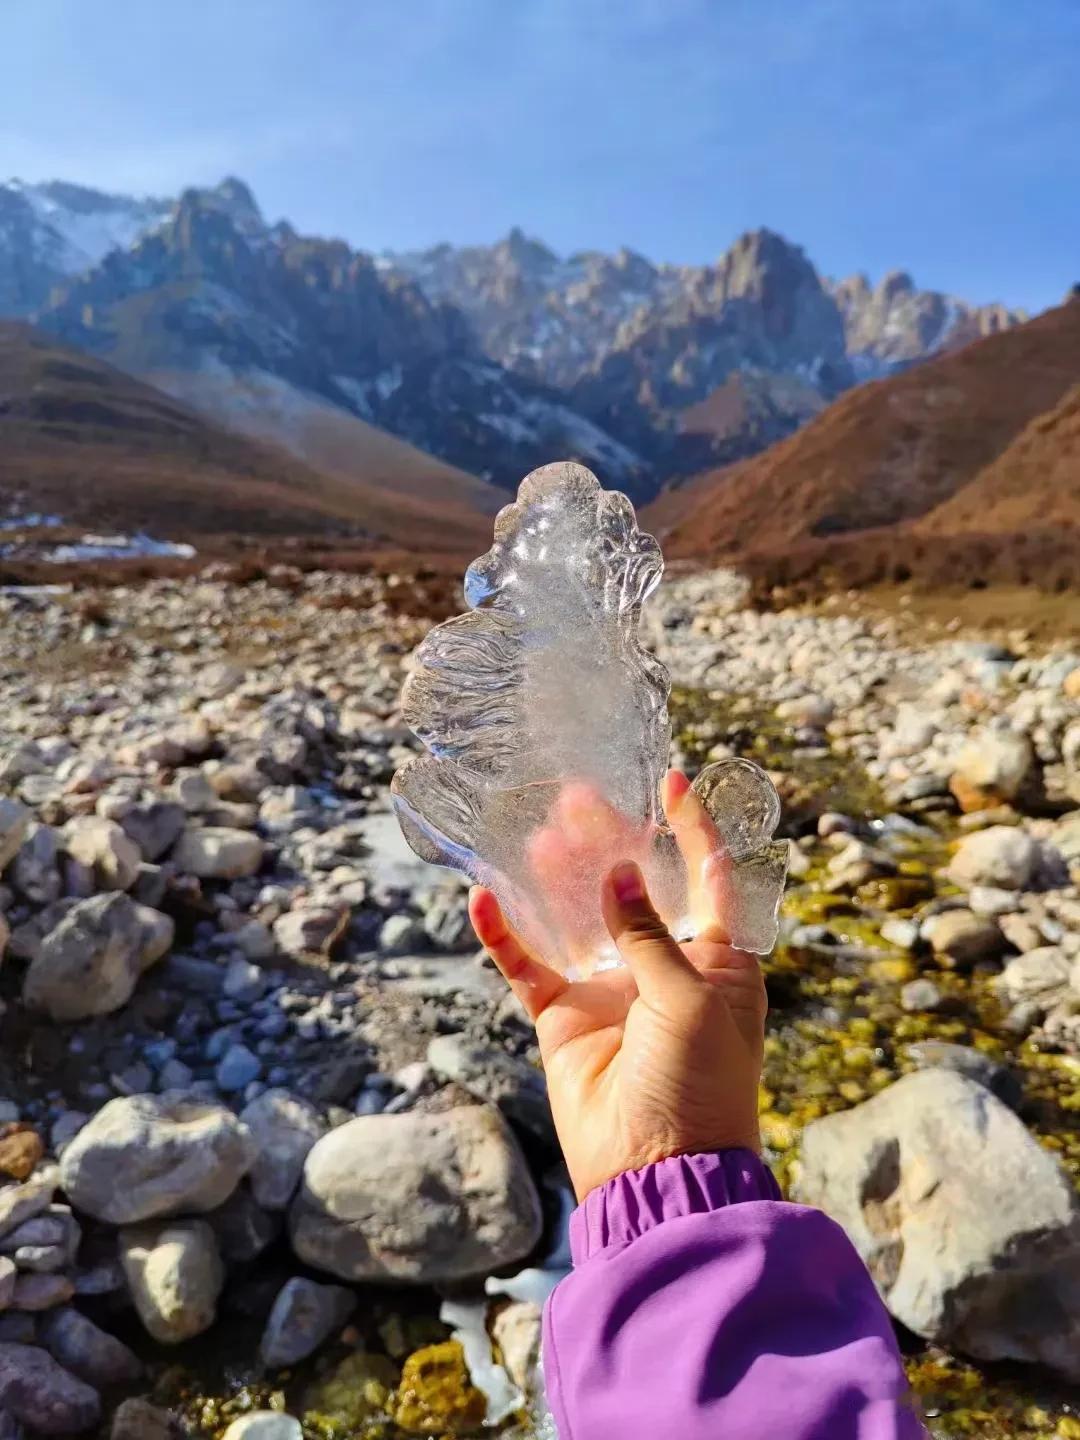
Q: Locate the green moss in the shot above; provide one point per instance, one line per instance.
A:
(436, 1395)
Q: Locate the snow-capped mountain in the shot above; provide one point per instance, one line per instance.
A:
(217, 306)
(52, 231)
(494, 358)
(892, 324)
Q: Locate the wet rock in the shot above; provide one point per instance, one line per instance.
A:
(264, 1425)
(1021, 932)
(218, 853)
(91, 962)
(356, 1216)
(969, 1227)
(303, 1318)
(87, 1351)
(436, 1394)
(920, 995)
(39, 1393)
(138, 1419)
(175, 1275)
(1000, 856)
(105, 850)
(284, 1129)
(176, 1155)
(961, 938)
(1039, 977)
(15, 821)
(516, 1331)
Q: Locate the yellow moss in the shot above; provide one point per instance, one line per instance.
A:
(436, 1395)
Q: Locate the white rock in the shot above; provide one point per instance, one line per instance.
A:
(176, 1155)
(356, 1214)
(264, 1425)
(998, 761)
(216, 852)
(175, 1275)
(969, 1227)
(1001, 856)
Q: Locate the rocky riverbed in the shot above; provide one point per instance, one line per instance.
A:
(230, 994)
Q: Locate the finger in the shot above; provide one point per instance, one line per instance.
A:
(590, 822)
(656, 962)
(707, 862)
(533, 982)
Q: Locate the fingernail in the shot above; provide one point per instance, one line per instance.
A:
(627, 883)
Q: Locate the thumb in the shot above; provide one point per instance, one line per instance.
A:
(656, 961)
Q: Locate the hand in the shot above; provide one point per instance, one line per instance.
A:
(662, 1058)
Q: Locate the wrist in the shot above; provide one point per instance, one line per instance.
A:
(635, 1201)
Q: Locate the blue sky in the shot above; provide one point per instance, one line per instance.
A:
(941, 136)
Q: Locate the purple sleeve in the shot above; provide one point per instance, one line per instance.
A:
(701, 1306)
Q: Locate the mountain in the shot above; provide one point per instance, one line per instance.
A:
(691, 365)
(892, 324)
(972, 444)
(494, 358)
(82, 440)
(53, 231)
(216, 302)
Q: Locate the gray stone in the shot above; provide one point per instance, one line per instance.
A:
(41, 1292)
(969, 1227)
(41, 1394)
(8, 1276)
(356, 1215)
(34, 870)
(308, 930)
(217, 852)
(304, 1316)
(154, 826)
(176, 1155)
(175, 1275)
(91, 962)
(400, 934)
(284, 1129)
(138, 1419)
(1000, 856)
(996, 1077)
(19, 1203)
(87, 1351)
(518, 1088)
(243, 1229)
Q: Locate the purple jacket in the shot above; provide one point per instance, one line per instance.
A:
(701, 1307)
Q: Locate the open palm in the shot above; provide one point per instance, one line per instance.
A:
(662, 1057)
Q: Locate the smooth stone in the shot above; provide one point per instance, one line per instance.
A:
(217, 852)
(103, 847)
(1001, 856)
(41, 1394)
(304, 1316)
(138, 1419)
(964, 938)
(264, 1425)
(284, 1128)
(965, 1060)
(176, 1275)
(176, 1155)
(87, 1351)
(356, 1214)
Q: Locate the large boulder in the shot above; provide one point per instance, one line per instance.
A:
(40, 1394)
(175, 1275)
(969, 1227)
(284, 1129)
(417, 1198)
(145, 1156)
(91, 962)
(216, 852)
(303, 1317)
(1000, 855)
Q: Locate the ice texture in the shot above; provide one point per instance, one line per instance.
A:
(548, 736)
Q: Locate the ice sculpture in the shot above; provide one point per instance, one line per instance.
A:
(548, 734)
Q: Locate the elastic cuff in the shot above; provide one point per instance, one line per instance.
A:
(639, 1200)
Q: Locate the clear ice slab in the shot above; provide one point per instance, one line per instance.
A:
(548, 736)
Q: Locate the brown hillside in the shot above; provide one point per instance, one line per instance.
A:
(888, 452)
(85, 441)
